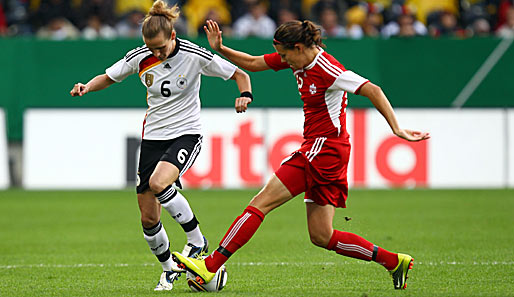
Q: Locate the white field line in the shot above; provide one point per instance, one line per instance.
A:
(482, 72)
(441, 263)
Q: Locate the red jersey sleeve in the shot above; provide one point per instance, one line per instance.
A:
(274, 62)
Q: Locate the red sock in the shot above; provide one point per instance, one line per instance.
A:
(242, 229)
(352, 245)
(214, 261)
(386, 258)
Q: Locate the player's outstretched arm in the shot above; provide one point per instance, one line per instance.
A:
(99, 82)
(241, 59)
(245, 88)
(381, 103)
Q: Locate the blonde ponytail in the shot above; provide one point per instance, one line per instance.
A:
(160, 18)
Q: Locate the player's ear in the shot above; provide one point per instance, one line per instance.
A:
(299, 47)
(173, 34)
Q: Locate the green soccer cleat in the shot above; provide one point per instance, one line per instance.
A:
(399, 274)
(195, 266)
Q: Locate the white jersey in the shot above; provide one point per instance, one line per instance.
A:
(173, 86)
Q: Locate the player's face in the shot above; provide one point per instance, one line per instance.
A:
(290, 56)
(160, 45)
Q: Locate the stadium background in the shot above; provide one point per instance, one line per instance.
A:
(67, 210)
(418, 75)
(433, 55)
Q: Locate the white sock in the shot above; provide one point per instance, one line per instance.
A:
(195, 236)
(179, 209)
(158, 242)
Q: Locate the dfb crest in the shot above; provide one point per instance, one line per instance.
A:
(149, 79)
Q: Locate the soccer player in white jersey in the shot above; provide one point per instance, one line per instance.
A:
(319, 166)
(171, 70)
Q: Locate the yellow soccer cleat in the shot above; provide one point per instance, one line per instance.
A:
(399, 274)
(195, 266)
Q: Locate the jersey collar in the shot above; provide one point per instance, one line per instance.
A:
(315, 59)
(175, 50)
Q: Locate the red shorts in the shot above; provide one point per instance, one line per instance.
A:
(318, 168)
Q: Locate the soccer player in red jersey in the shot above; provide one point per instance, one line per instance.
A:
(319, 166)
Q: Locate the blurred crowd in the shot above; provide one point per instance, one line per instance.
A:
(108, 19)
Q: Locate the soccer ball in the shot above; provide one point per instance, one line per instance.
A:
(216, 284)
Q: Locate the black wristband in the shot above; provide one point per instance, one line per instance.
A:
(247, 95)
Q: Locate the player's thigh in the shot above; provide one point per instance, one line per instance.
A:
(287, 182)
(164, 174)
(271, 196)
(183, 151)
(319, 222)
(150, 154)
(150, 209)
(292, 173)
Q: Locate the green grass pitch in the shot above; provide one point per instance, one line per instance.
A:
(89, 243)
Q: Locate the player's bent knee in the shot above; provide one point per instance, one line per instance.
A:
(320, 239)
(317, 241)
(157, 185)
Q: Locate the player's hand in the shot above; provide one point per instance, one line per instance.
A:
(242, 104)
(213, 34)
(79, 90)
(412, 135)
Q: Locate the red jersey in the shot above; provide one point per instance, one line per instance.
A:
(323, 85)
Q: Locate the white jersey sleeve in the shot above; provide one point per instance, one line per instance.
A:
(127, 65)
(219, 67)
(120, 70)
(348, 81)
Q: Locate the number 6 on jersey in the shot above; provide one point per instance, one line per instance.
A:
(181, 156)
